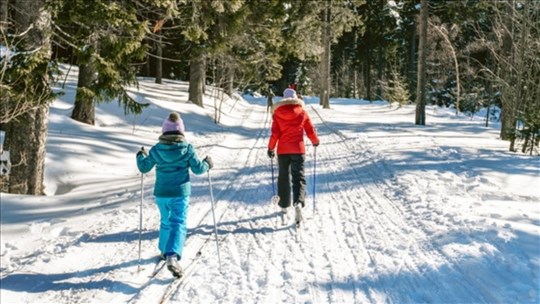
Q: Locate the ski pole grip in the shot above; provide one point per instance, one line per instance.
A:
(143, 151)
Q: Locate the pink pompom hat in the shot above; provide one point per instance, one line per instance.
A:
(173, 123)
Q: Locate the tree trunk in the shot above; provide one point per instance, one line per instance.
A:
(367, 71)
(355, 70)
(159, 61)
(508, 118)
(380, 68)
(84, 109)
(229, 79)
(26, 140)
(412, 65)
(3, 15)
(326, 57)
(26, 136)
(519, 97)
(421, 85)
(197, 77)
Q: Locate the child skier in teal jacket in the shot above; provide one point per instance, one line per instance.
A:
(173, 157)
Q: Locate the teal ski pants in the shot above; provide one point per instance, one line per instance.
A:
(172, 230)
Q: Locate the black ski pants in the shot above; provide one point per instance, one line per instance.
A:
(291, 165)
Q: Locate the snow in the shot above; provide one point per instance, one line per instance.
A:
(402, 214)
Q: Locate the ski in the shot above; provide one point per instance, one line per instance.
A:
(177, 281)
(158, 276)
(157, 268)
(172, 287)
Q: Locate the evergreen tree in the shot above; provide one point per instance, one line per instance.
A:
(106, 39)
(206, 26)
(255, 51)
(374, 47)
(24, 59)
(330, 18)
(25, 91)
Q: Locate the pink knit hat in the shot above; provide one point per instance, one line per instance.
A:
(173, 123)
(289, 93)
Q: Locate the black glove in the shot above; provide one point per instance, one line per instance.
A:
(316, 145)
(271, 153)
(209, 161)
(142, 151)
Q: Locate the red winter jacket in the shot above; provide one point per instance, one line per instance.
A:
(290, 120)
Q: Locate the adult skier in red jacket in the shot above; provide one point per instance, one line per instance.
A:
(290, 121)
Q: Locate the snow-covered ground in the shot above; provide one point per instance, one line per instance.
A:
(402, 213)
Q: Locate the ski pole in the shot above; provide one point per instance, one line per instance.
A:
(140, 214)
(140, 221)
(273, 184)
(275, 198)
(214, 216)
(314, 174)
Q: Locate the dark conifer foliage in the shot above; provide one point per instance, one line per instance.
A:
(105, 39)
(478, 54)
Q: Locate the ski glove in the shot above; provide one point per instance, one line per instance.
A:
(209, 161)
(271, 153)
(142, 152)
(316, 145)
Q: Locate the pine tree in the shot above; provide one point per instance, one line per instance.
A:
(331, 19)
(206, 26)
(25, 91)
(106, 38)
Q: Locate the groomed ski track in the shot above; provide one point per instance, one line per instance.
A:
(375, 234)
(362, 240)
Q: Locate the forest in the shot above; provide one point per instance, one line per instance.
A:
(464, 54)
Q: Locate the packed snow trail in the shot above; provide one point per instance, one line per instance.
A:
(288, 281)
(235, 174)
(390, 225)
(367, 242)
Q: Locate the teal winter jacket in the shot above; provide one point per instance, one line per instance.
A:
(173, 157)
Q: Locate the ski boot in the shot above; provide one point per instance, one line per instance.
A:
(173, 266)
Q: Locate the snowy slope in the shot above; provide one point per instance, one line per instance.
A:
(402, 213)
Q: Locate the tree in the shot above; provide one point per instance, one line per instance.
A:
(326, 33)
(377, 48)
(225, 39)
(25, 91)
(106, 37)
(251, 56)
(337, 17)
(420, 118)
(443, 32)
(511, 40)
(157, 13)
(197, 78)
(206, 27)
(519, 72)
(453, 56)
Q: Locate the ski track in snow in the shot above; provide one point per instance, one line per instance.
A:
(400, 236)
(371, 234)
(382, 237)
